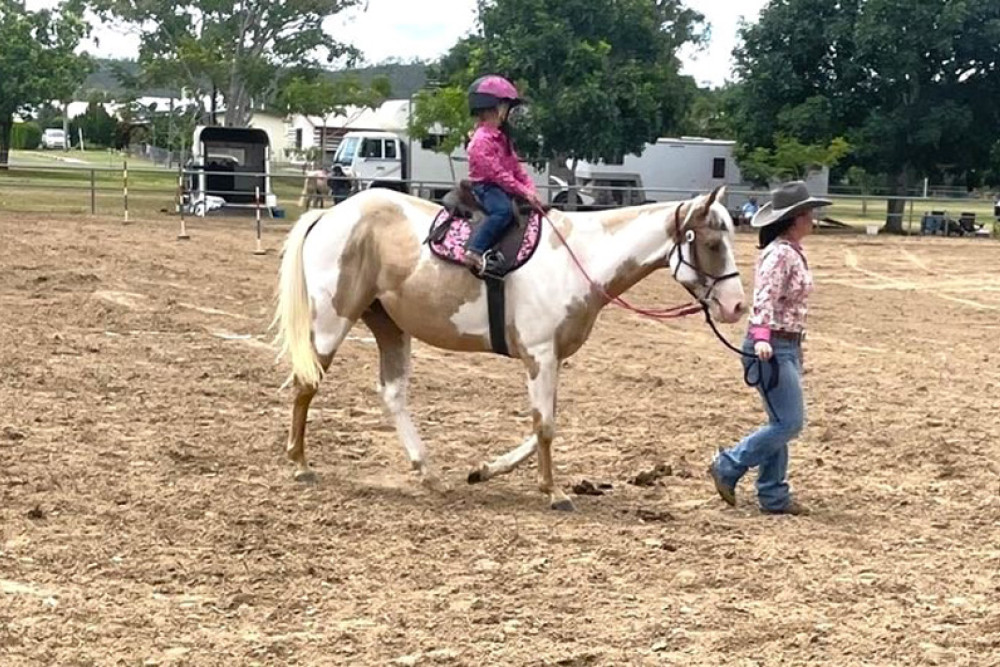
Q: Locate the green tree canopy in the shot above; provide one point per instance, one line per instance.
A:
(38, 61)
(911, 84)
(240, 48)
(601, 78)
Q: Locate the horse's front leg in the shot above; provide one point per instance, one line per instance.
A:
(542, 388)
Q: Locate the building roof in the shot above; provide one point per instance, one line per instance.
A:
(392, 116)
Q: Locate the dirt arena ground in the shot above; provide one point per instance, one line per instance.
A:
(148, 517)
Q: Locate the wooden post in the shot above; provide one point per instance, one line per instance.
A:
(183, 236)
(93, 193)
(259, 249)
(125, 185)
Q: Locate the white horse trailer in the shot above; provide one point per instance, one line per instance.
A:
(228, 167)
(668, 170)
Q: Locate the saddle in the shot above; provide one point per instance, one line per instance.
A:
(463, 214)
(451, 230)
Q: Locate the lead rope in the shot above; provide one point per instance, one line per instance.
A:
(659, 314)
(757, 364)
(662, 314)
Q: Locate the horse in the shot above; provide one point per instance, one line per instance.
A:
(365, 260)
(314, 189)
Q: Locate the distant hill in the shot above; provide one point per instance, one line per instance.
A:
(405, 79)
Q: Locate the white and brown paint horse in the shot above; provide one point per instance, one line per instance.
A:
(365, 260)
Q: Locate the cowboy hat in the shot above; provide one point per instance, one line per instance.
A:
(787, 201)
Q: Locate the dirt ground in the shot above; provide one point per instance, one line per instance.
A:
(148, 516)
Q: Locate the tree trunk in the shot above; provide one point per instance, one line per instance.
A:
(69, 139)
(558, 168)
(897, 207)
(322, 145)
(6, 129)
(573, 197)
(238, 111)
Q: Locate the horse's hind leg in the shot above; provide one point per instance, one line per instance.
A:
(329, 331)
(394, 372)
(505, 464)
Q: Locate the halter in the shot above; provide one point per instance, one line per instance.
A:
(703, 277)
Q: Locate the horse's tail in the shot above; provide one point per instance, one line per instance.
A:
(293, 315)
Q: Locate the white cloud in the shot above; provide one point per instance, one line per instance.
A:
(426, 29)
(406, 29)
(713, 64)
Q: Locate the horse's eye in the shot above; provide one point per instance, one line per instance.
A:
(715, 246)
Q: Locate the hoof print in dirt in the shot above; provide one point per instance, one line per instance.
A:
(588, 488)
(653, 516)
(565, 505)
(651, 477)
(307, 477)
(36, 513)
(12, 434)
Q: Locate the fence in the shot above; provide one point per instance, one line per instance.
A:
(151, 191)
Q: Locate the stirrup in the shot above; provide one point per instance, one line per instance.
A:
(491, 256)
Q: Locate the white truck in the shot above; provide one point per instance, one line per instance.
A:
(390, 160)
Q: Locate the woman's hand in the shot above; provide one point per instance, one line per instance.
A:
(763, 350)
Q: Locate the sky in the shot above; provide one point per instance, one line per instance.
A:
(426, 29)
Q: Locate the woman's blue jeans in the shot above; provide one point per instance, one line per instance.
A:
(767, 448)
(499, 214)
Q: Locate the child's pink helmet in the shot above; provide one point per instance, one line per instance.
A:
(487, 92)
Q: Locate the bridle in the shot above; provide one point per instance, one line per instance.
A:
(687, 238)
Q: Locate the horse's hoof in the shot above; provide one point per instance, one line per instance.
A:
(307, 477)
(477, 476)
(564, 505)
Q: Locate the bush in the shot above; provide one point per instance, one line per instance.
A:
(99, 128)
(26, 136)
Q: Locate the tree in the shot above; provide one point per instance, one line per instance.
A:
(865, 182)
(38, 62)
(99, 128)
(239, 48)
(601, 77)
(911, 84)
(710, 113)
(441, 116)
(311, 95)
(789, 160)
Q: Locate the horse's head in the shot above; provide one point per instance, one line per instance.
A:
(702, 258)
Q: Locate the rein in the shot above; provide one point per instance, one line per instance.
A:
(659, 314)
(757, 364)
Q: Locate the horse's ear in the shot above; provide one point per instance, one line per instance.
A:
(718, 194)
